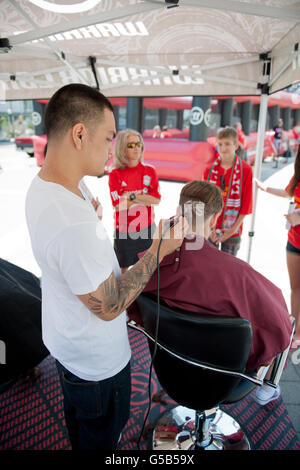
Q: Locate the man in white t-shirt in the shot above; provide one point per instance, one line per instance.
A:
(84, 295)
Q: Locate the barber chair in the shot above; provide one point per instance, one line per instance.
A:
(200, 361)
(21, 344)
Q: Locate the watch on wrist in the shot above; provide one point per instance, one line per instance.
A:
(132, 197)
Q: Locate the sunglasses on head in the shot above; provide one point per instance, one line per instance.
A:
(132, 145)
(222, 182)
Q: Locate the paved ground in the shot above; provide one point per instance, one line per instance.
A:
(269, 167)
(267, 253)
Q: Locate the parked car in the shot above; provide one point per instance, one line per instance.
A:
(39, 144)
(25, 143)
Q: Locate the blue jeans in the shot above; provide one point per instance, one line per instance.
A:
(231, 248)
(95, 412)
(228, 246)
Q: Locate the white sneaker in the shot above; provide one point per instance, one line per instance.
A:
(265, 394)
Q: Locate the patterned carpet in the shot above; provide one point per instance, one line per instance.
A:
(32, 417)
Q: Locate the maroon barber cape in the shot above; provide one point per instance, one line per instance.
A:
(201, 279)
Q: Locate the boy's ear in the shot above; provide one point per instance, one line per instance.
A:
(213, 220)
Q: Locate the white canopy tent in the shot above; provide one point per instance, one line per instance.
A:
(151, 48)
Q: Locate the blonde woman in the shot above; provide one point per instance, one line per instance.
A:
(134, 190)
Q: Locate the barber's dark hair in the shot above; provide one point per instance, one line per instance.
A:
(202, 191)
(72, 104)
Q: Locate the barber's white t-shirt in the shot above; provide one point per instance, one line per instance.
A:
(75, 255)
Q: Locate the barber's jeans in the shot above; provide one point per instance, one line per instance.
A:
(95, 412)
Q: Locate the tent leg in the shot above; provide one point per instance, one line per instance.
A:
(262, 120)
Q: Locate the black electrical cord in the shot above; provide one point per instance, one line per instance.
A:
(165, 230)
(155, 345)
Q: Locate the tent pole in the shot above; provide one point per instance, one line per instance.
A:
(262, 120)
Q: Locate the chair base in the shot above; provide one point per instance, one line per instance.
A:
(184, 429)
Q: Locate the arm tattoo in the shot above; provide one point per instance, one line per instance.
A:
(109, 295)
(115, 294)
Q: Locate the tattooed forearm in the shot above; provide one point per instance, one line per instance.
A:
(108, 298)
(115, 295)
(132, 283)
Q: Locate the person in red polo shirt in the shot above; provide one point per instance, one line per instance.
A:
(234, 177)
(134, 190)
(165, 133)
(292, 190)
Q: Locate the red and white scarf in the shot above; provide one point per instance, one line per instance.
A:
(232, 205)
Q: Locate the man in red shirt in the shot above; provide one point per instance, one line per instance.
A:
(234, 177)
(201, 279)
